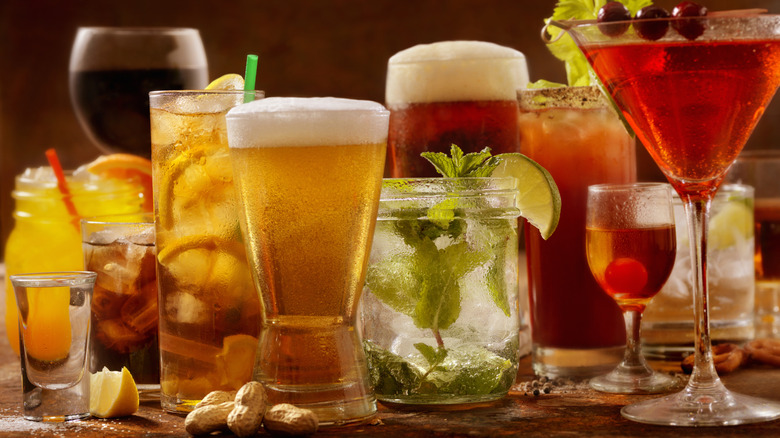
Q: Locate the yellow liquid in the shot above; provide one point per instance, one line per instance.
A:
(45, 237)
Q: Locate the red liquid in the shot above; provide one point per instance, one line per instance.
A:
(767, 234)
(631, 265)
(579, 148)
(693, 105)
(113, 105)
(472, 125)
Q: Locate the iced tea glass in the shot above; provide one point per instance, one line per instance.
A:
(761, 169)
(209, 309)
(667, 332)
(120, 249)
(54, 309)
(577, 330)
(309, 174)
(630, 245)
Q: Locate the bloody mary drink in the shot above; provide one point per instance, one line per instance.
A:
(577, 329)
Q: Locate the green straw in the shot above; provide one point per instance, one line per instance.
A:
(249, 78)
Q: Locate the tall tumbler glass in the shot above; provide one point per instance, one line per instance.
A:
(761, 169)
(577, 329)
(451, 92)
(209, 309)
(309, 174)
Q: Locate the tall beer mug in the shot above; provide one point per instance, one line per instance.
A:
(451, 92)
(309, 174)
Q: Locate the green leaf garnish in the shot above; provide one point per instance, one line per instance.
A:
(565, 49)
(475, 164)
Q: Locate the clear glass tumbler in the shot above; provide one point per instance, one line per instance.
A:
(54, 311)
(439, 314)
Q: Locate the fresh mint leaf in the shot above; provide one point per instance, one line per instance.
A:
(474, 164)
(389, 373)
(434, 356)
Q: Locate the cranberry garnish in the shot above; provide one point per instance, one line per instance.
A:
(690, 28)
(614, 11)
(648, 28)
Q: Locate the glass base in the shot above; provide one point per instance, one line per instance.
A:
(623, 383)
(333, 409)
(718, 407)
(575, 363)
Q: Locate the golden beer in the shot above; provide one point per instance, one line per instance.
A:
(309, 175)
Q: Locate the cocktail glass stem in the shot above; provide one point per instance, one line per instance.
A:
(634, 362)
(704, 374)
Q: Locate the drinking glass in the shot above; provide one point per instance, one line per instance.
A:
(451, 92)
(667, 324)
(308, 173)
(209, 309)
(112, 71)
(54, 309)
(572, 132)
(630, 244)
(441, 294)
(761, 169)
(677, 91)
(120, 250)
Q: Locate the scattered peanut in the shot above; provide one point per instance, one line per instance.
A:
(215, 398)
(250, 404)
(287, 419)
(207, 419)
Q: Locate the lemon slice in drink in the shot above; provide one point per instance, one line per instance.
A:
(539, 201)
(732, 224)
(112, 394)
(230, 81)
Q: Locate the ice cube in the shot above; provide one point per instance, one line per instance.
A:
(185, 308)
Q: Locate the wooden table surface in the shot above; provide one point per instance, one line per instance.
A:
(571, 411)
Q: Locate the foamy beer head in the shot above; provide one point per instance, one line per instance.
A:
(450, 71)
(290, 121)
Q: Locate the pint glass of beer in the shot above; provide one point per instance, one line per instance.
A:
(309, 174)
(451, 92)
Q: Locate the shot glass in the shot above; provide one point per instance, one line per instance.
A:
(54, 309)
(120, 249)
(761, 169)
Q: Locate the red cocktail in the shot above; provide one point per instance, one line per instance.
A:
(693, 99)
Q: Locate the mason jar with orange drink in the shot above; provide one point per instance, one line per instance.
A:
(46, 235)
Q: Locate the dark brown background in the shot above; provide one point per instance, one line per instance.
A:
(307, 48)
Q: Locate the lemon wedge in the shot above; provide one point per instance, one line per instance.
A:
(112, 394)
(539, 200)
(230, 81)
(734, 223)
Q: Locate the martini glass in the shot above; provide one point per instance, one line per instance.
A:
(693, 103)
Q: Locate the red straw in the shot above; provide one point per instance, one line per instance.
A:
(62, 185)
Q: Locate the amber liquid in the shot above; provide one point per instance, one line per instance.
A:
(124, 310)
(435, 126)
(631, 265)
(767, 235)
(310, 215)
